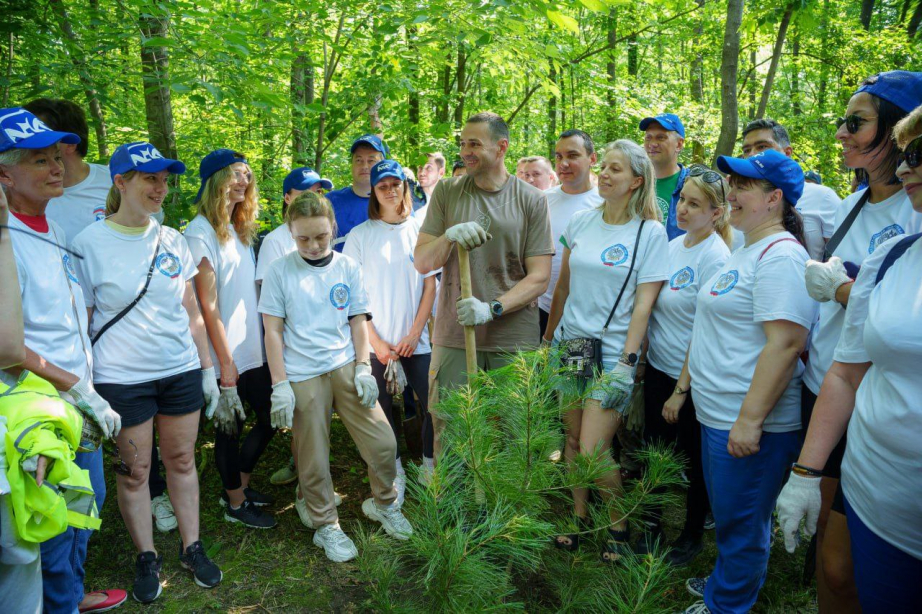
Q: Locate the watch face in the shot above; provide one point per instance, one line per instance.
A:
(497, 308)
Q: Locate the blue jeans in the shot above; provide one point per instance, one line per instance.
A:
(63, 556)
(742, 493)
(888, 579)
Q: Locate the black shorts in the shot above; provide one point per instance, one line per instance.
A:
(833, 467)
(176, 395)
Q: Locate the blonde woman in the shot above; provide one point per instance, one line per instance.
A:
(614, 263)
(221, 240)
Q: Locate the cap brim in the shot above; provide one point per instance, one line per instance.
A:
(40, 140)
(386, 175)
(739, 166)
(645, 123)
(175, 167)
(326, 184)
(380, 149)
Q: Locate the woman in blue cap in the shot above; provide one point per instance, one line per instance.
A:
(399, 298)
(150, 354)
(747, 391)
(221, 239)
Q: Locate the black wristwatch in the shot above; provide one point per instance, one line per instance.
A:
(496, 308)
(629, 359)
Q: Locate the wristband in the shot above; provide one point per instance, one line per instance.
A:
(806, 471)
(678, 390)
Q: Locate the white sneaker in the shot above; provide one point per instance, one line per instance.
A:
(162, 510)
(392, 519)
(400, 483)
(336, 544)
(303, 514)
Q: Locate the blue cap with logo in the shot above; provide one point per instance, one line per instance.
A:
(901, 87)
(144, 157)
(303, 179)
(775, 167)
(669, 121)
(20, 129)
(814, 177)
(215, 161)
(370, 140)
(386, 168)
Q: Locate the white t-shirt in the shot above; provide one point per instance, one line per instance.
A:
(882, 469)
(235, 269)
(153, 340)
(875, 224)
(727, 337)
(818, 206)
(52, 329)
(600, 255)
(421, 213)
(81, 204)
(674, 311)
(394, 287)
(276, 244)
(561, 207)
(316, 303)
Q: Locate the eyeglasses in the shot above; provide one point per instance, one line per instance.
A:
(852, 122)
(709, 176)
(912, 155)
(119, 466)
(240, 176)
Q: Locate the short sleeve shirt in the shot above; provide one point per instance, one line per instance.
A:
(277, 243)
(818, 206)
(81, 204)
(350, 210)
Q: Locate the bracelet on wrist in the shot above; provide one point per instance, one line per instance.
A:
(803, 470)
(679, 391)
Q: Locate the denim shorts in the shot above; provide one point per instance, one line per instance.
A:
(176, 395)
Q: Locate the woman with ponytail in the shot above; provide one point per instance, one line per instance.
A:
(751, 324)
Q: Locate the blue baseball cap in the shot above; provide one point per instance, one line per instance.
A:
(215, 161)
(387, 168)
(901, 87)
(20, 129)
(669, 121)
(775, 167)
(141, 156)
(370, 140)
(303, 178)
(813, 176)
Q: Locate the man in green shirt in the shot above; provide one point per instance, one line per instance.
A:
(664, 137)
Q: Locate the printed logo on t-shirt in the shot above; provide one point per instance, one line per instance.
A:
(682, 279)
(614, 255)
(69, 269)
(725, 283)
(169, 264)
(664, 207)
(893, 230)
(99, 213)
(339, 296)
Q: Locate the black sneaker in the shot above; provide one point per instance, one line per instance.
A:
(255, 497)
(683, 550)
(709, 522)
(147, 577)
(249, 515)
(205, 572)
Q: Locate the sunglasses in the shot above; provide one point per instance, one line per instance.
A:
(912, 155)
(240, 175)
(852, 122)
(709, 176)
(119, 466)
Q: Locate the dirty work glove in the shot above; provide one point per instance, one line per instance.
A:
(283, 405)
(366, 385)
(618, 385)
(210, 390)
(800, 498)
(90, 403)
(229, 408)
(473, 311)
(395, 376)
(467, 234)
(824, 278)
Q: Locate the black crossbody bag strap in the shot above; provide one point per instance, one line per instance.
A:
(627, 279)
(833, 243)
(121, 314)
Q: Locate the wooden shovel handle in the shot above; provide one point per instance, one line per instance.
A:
(470, 339)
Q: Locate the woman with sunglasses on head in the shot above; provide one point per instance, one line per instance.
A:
(883, 211)
(221, 239)
(747, 391)
(618, 249)
(872, 390)
(150, 354)
(702, 212)
(399, 297)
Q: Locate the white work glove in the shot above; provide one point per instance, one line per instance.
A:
(395, 377)
(618, 385)
(473, 312)
(800, 498)
(824, 278)
(366, 385)
(229, 410)
(90, 403)
(210, 390)
(468, 235)
(283, 405)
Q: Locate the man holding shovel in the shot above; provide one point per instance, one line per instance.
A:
(505, 222)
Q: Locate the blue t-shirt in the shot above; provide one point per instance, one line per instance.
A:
(350, 210)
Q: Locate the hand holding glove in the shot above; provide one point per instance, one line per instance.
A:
(468, 235)
(395, 376)
(282, 413)
(229, 410)
(90, 403)
(619, 384)
(800, 498)
(210, 390)
(366, 385)
(824, 278)
(473, 312)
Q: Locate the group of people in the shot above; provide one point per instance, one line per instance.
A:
(759, 316)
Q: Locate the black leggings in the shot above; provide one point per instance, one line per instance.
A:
(255, 390)
(686, 434)
(416, 368)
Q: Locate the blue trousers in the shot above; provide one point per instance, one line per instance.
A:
(63, 556)
(742, 493)
(889, 580)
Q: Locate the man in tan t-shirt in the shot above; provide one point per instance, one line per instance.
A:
(505, 222)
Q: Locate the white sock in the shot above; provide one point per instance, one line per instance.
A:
(428, 463)
(400, 470)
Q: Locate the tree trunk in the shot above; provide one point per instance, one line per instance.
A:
(912, 28)
(445, 86)
(824, 66)
(753, 63)
(776, 56)
(867, 10)
(551, 136)
(9, 72)
(460, 88)
(155, 76)
(795, 75)
(413, 95)
(612, 69)
(302, 94)
(697, 90)
(729, 68)
(632, 63)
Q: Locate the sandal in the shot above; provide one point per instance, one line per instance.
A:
(616, 546)
(583, 525)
